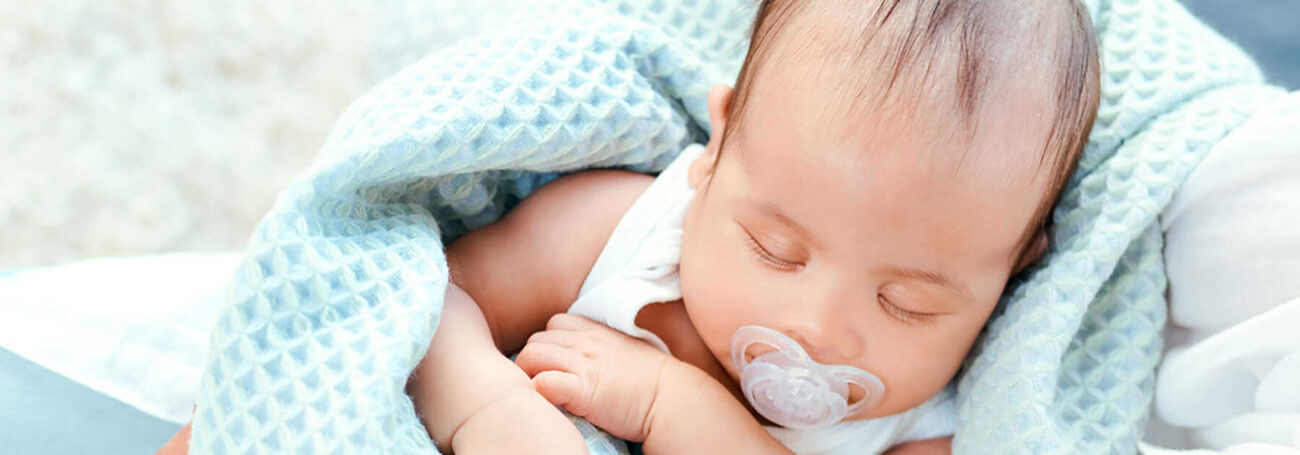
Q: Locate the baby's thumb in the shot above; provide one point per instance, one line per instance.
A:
(558, 387)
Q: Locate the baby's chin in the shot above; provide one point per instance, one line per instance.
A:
(873, 413)
(889, 407)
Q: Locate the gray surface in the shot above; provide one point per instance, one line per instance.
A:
(44, 413)
(1268, 30)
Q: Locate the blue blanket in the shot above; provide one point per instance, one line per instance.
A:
(342, 286)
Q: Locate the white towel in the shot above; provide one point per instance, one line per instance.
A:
(1231, 379)
(135, 329)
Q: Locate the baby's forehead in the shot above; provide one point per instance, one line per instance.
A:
(831, 109)
(818, 126)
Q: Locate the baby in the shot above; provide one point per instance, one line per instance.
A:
(811, 279)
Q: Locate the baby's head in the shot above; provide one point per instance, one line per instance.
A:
(880, 171)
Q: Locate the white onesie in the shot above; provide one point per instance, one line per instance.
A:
(638, 267)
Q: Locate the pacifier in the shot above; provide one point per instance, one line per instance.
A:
(789, 388)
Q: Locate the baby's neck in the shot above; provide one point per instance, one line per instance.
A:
(671, 324)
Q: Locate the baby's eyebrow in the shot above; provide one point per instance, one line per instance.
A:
(766, 208)
(935, 278)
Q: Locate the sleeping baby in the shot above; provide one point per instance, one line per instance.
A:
(808, 281)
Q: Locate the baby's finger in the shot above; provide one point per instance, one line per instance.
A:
(558, 387)
(538, 357)
(556, 337)
(566, 321)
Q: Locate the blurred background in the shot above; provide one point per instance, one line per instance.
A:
(134, 127)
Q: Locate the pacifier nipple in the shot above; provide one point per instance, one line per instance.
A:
(791, 389)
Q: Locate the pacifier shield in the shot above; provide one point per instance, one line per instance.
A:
(785, 385)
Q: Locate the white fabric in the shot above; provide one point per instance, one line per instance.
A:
(1231, 379)
(135, 329)
(638, 267)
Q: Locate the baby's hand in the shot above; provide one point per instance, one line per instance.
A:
(596, 372)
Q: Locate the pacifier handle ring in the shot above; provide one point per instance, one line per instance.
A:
(872, 386)
(781, 343)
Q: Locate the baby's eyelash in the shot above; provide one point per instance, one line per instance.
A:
(767, 256)
(910, 317)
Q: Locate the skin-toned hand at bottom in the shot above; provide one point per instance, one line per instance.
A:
(639, 393)
(595, 372)
(179, 444)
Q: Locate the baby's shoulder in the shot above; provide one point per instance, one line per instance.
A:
(570, 219)
(530, 265)
(594, 186)
(589, 200)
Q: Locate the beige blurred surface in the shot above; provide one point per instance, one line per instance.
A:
(138, 127)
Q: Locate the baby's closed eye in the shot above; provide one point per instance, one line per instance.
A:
(766, 255)
(903, 314)
(896, 301)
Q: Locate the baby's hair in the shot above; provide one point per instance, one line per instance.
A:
(978, 40)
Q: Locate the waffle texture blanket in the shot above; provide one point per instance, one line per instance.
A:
(341, 288)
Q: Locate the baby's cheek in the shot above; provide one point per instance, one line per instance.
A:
(919, 369)
(716, 299)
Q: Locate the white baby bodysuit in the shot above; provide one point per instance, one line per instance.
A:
(638, 267)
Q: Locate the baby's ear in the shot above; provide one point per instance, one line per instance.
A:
(1037, 247)
(702, 168)
(719, 104)
(719, 101)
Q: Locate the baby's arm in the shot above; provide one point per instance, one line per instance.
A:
(508, 279)
(466, 392)
(693, 413)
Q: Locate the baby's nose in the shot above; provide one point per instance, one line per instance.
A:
(822, 321)
(826, 347)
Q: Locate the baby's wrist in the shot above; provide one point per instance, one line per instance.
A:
(518, 420)
(445, 404)
(688, 411)
(683, 386)
(447, 422)
(683, 391)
